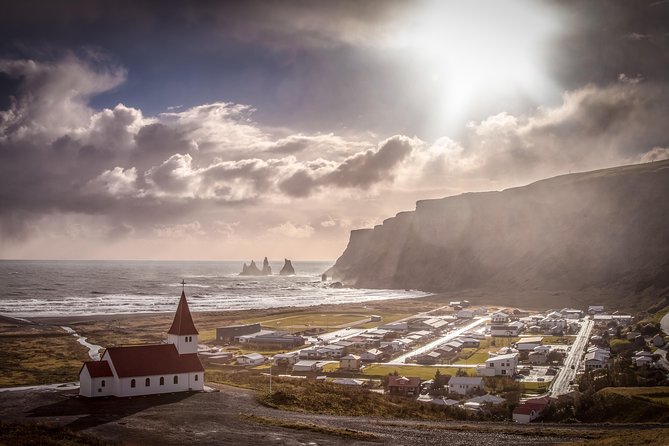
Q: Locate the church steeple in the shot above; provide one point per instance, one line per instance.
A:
(183, 333)
(183, 321)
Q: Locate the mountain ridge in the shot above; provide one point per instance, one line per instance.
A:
(603, 233)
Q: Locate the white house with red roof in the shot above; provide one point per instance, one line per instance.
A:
(148, 369)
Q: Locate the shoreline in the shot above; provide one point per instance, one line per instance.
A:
(225, 314)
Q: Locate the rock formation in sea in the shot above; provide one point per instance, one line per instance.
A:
(266, 269)
(253, 270)
(287, 269)
(593, 237)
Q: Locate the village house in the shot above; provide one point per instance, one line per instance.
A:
(148, 369)
(502, 365)
(596, 358)
(469, 342)
(271, 339)
(250, 359)
(530, 410)
(285, 359)
(529, 343)
(642, 358)
(400, 327)
(464, 384)
(499, 318)
(230, 333)
(510, 329)
(401, 385)
(465, 314)
(595, 309)
(350, 362)
(306, 366)
(428, 358)
(538, 357)
(373, 355)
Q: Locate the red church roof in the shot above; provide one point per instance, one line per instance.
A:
(183, 321)
(145, 360)
(98, 369)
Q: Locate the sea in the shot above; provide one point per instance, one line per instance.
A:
(31, 288)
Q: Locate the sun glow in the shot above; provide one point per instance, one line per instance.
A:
(474, 53)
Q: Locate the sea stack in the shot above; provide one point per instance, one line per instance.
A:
(266, 269)
(251, 270)
(287, 269)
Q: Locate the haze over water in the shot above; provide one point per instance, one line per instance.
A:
(58, 288)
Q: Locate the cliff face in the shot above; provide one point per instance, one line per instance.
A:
(604, 233)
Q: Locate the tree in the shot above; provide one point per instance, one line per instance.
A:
(461, 372)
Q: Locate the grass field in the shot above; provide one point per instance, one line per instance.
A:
(479, 355)
(423, 372)
(658, 395)
(39, 355)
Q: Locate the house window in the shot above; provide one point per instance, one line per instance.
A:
(162, 380)
(190, 339)
(132, 383)
(99, 390)
(147, 382)
(102, 384)
(503, 372)
(195, 377)
(185, 338)
(176, 379)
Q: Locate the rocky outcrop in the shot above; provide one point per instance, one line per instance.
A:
(287, 269)
(266, 269)
(596, 236)
(253, 270)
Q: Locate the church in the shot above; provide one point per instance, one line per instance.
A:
(148, 369)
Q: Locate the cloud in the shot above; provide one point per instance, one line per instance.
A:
(183, 230)
(213, 164)
(291, 230)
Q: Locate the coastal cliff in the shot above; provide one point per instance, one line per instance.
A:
(601, 235)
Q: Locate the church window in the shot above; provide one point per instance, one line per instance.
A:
(132, 383)
(147, 383)
(162, 380)
(195, 377)
(176, 379)
(102, 384)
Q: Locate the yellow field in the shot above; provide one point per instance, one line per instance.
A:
(423, 372)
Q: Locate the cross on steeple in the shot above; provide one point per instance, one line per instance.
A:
(183, 285)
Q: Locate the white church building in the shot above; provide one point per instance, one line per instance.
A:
(148, 369)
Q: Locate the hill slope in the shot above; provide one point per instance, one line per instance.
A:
(601, 235)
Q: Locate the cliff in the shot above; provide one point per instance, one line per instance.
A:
(594, 236)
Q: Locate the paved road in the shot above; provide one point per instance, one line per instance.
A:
(567, 373)
(427, 347)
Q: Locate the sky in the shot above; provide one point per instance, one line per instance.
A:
(237, 130)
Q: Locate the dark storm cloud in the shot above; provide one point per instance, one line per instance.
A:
(364, 169)
(607, 38)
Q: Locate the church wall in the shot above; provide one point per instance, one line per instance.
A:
(186, 381)
(85, 385)
(92, 387)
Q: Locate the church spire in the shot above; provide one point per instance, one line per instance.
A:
(183, 321)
